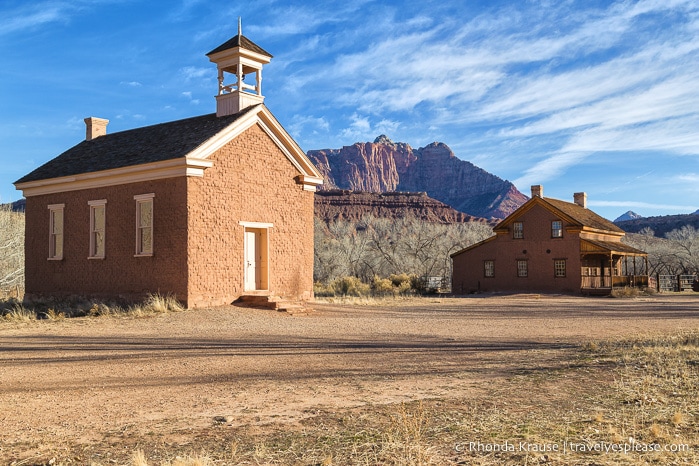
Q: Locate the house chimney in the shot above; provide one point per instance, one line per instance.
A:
(95, 127)
(537, 190)
(580, 199)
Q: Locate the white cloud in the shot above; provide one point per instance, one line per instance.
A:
(131, 83)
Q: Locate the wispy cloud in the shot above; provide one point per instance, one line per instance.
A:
(643, 205)
(30, 16)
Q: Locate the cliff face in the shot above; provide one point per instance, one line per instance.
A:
(385, 166)
(338, 204)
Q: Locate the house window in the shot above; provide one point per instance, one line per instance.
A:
(97, 228)
(144, 224)
(522, 270)
(518, 228)
(559, 268)
(489, 268)
(56, 231)
(557, 229)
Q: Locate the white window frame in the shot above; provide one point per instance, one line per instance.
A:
(142, 199)
(518, 230)
(488, 268)
(557, 232)
(54, 237)
(94, 205)
(557, 269)
(522, 268)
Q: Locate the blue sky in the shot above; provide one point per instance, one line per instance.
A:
(592, 96)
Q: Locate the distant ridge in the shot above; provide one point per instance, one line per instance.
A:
(629, 215)
(661, 224)
(386, 166)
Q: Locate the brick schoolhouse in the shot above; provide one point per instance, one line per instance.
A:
(208, 209)
(552, 246)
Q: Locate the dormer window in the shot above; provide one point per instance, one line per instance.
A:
(518, 230)
(556, 229)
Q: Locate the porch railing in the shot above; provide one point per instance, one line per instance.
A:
(639, 281)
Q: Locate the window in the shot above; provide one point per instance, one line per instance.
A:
(97, 228)
(489, 268)
(144, 224)
(522, 268)
(559, 268)
(556, 229)
(518, 228)
(56, 231)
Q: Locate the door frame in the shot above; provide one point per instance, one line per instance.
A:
(261, 231)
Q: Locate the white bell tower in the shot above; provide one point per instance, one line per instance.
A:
(241, 58)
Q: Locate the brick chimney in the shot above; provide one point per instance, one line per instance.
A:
(537, 190)
(95, 127)
(580, 199)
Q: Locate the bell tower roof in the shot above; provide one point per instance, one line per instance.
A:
(239, 40)
(240, 57)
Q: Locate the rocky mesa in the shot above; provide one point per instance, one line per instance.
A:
(336, 204)
(384, 166)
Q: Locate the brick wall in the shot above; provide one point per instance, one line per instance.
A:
(119, 274)
(537, 247)
(251, 181)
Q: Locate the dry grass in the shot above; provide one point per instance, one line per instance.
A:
(640, 392)
(11, 310)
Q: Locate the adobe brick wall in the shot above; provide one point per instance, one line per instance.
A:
(119, 274)
(541, 251)
(251, 180)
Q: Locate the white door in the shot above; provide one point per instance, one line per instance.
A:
(252, 248)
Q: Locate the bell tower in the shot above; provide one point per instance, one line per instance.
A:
(238, 59)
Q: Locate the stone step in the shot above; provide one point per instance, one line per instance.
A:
(275, 303)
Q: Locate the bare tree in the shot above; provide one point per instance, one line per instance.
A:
(382, 247)
(11, 249)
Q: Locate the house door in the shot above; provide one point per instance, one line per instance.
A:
(255, 259)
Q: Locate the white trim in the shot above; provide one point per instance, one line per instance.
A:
(140, 200)
(256, 224)
(183, 166)
(92, 253)
(53, 208)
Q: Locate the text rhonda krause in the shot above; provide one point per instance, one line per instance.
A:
(572, 447)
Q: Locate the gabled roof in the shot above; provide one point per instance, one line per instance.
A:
(240, 41)
(177, 148)
(574, 213)
(138, 146)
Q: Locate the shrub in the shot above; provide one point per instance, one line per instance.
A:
(382, 286)
(350, 286)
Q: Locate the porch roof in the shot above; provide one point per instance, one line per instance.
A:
(609, 247)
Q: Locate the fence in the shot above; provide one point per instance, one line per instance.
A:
(675, 282)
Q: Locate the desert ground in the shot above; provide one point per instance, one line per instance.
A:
(234, 385)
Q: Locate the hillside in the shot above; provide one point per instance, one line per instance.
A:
(660, 225)
(353, 205)
(384, 166)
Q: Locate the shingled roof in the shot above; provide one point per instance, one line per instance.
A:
(580, 215)
(240, 41)
(138, 146)
(584, 216)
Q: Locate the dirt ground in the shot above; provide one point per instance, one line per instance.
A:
(85, 382)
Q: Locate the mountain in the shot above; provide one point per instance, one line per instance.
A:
(385, 166)
(629, 215)
(17, 206)
(661, 224)
(338, 204)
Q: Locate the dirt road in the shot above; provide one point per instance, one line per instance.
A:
(88, 381)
